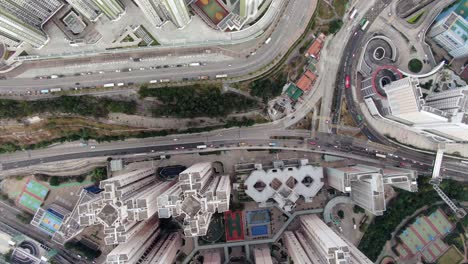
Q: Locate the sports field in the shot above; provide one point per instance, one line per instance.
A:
(234, 225)
(51, 222)
(258, 217)
(424, 236)
(29, 202)
(213, 10)
(450, 256)
(36, 189)
(260, 230)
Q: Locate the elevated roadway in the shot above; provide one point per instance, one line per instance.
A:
(248, 60)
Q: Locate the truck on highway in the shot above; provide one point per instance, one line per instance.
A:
(54, 90)
(109, 85)
(268, 40)
(44, 91)
(365, 25)
(359, 118)
(120, 84)
(165, 80)
(221, 76)
(380, 155)
(272, 144)
(194, 64)
(201, 147)
(203, 77)
(53, 76)
(353, 14)
(154, 81)
(241, 144)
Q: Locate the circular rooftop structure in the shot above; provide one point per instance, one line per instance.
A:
(383, 76)
(379, 52)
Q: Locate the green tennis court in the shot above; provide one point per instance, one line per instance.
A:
(37, 189)
(29, 202)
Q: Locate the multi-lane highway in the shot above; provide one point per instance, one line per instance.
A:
(227, 139)
(255, 58)
(282, 39)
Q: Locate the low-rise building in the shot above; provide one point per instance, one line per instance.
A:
(284, 184)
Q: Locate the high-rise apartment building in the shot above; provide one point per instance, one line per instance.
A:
(249, 8)
(87, 8)
(93, 9)
(318, 243)
(442, 116)
(113, 9)
(451, 32)
(198, 196)
(365, 184)
(22, 21)
(131, 251)
(159, 11)
(126, 200)
(262, 255)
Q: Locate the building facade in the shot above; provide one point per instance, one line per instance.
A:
(249, 8)
(441, 116)
(365, 184)
(159, 11)
(126, 201)
(315, 242)
(22, 21)
(284, 183)
(452, 34)
(197, 195)
(93, 9)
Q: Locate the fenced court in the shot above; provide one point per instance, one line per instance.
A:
(424, 237)
(258, 217)
(51, 221)
(32, 195)
(260, 230)
(234, 225)
(213, 10)
(36, 189)
(29, 202)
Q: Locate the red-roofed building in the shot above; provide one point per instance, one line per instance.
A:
(316, 47)
(311, 76)
(304, 83)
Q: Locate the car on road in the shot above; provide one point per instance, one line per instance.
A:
(347, 82)
(313, 143)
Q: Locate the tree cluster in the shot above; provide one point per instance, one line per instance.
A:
(77, 105)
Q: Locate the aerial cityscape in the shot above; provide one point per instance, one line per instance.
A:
(233, 131)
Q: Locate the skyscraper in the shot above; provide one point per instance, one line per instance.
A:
(318, 243)
(159, 11)
(365, 184)
(249, 8)
(113, 9)
(87, 8)
(22, 21)
(93, 9)
(177, 12)
(442, 116)
(126, 200)
(198, 196)
(451, 32)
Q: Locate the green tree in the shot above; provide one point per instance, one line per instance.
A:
(99, 174)
(340, 214)
(54, 181)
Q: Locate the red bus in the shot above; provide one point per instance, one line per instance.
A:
(347, 82)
